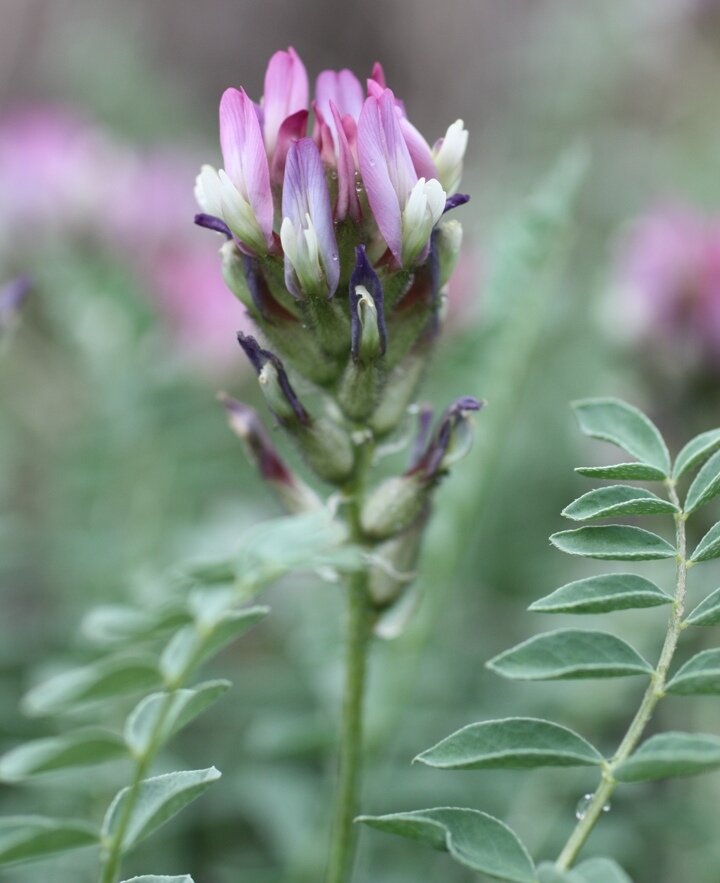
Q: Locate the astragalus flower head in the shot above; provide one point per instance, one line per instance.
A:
(332, 208)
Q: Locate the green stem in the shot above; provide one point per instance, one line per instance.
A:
(351, 750)
(653, 694)
(358, 631)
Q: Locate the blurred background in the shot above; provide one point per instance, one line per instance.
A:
(116, 463)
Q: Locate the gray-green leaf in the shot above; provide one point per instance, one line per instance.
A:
(709, 545)
(599, 594)
(473, 838)
(195, 644)
(101, 680)
(618, 542)
(156, 802)
(569, 654)
(619, 499)
(512, 743)
(705, 486)
(119, 624)
(158, 716)
(707, 612)
(671, 754)
(81, 748)
(623, 425)
(30, 838)
(701, 674)
(601, 870)
(595, 870)
(153, 878)
(696, 451)
(623, 472)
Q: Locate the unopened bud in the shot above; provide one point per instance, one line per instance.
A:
(295, 495)
(393, 506)
(274, 383)
(449, 235)
(394, 563)
(397, 502)
(327, 448)
(367, 312)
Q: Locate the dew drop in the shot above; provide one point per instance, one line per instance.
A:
(583, 805)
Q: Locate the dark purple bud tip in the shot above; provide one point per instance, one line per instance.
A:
(450, 442)
(210, 222)
(246, 424)
(364, 276)
(456, 200)
(12, 296)
(425, 416)
(277, 388)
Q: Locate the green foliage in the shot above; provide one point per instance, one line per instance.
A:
(514, 743)
(571, 653)
(473, 838)
(623, 425)
(617, 542)
(567, 654)
(700, 674)
(596, 870)
(155, 879)
(26, 838)
(617, 500)
(707, 612)
(139, 810)
(601, 594)
(709, 545)
(146, 647)
(671, 754)
(705, 486)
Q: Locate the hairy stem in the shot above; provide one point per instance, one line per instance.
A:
(358, 630)
(653, 694)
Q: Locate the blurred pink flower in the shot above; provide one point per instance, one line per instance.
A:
(66, 179)
(668, 289)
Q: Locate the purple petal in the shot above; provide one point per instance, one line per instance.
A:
(457, 199)
(244, 156)
(378, 75)
(210, 222)
(386, 167)
(286, 92)
(258, 358)
(305, 192)
(364, 274)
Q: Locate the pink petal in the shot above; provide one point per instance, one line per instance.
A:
(244, 155)
(286, 92)
(420, 152)
(292, 129)
(378, 75)
(386, 167)
(343, 89)
(347, 200)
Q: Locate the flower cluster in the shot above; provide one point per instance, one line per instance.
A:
(338, 245)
